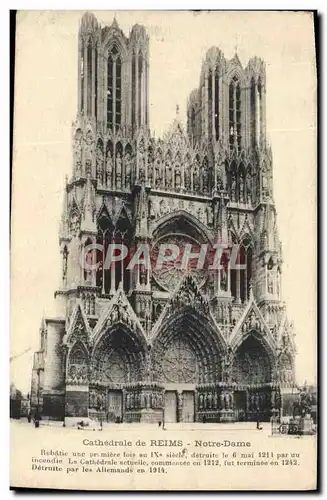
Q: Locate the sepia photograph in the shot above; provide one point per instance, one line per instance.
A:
(163, 251)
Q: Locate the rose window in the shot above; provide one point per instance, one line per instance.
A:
(115, 368)
(170, 274)
(179, 364)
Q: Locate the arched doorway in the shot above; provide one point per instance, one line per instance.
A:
(187, 354)
(252, 371)
(117, 361)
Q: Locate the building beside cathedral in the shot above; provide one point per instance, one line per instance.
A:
(145, 344)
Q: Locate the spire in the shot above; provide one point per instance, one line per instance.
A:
(235, 59)
(88, 223)
(114, 23)
(236, 42)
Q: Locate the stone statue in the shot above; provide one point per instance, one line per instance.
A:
(89, 145)
(187, 176)
(209, 216)
(177, 177)
(233, 187)
(78, 151)
(223, 279)
(205, 176)
(221, 398)
(118, 170)
(270, 282)
(241, 188)
(128, 169)
(158, 174)
(109, 169)
(99, 172)
(169, 176)
(221, 173)
(196, 184)
(141, 162)
(64, 264)
(249, 189)
(74, 223)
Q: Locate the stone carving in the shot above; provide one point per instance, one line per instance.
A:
(89, 146)
(241, 188)
(158, 173)
(78, 152)
(128, 168)
(141, 162)
(233, 187)
(177, 177)
(75, 223)
(169, 176)
(270, 281)
(99, 163)
(187, 176)
(221, 176)
(109, 169)
(196, 183)
(118, 171)
(249, 189)
(205, 175)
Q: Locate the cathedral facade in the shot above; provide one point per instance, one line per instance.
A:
(147, 344)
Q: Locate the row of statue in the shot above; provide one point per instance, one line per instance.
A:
(258, 401)
(97, 399)
(118, 167)
(114, 172)
(286, 377)
(118, 172)
(240, 187)
(213, 401)
(88, 301)
(135, 400)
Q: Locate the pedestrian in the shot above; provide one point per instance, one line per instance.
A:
(37, 418)
(29, 417)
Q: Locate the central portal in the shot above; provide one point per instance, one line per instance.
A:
(170, 406)
(115, 406)
(179, 406)
(188, 406)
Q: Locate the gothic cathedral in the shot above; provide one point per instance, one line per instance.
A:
(153, 343)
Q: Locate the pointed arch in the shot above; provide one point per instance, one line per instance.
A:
(182, 222)
(114, 85)
(77, 364)
(118, 355)
(253, 364)
(115, 44)
(186, 329)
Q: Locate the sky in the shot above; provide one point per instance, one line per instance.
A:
(46, 106)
